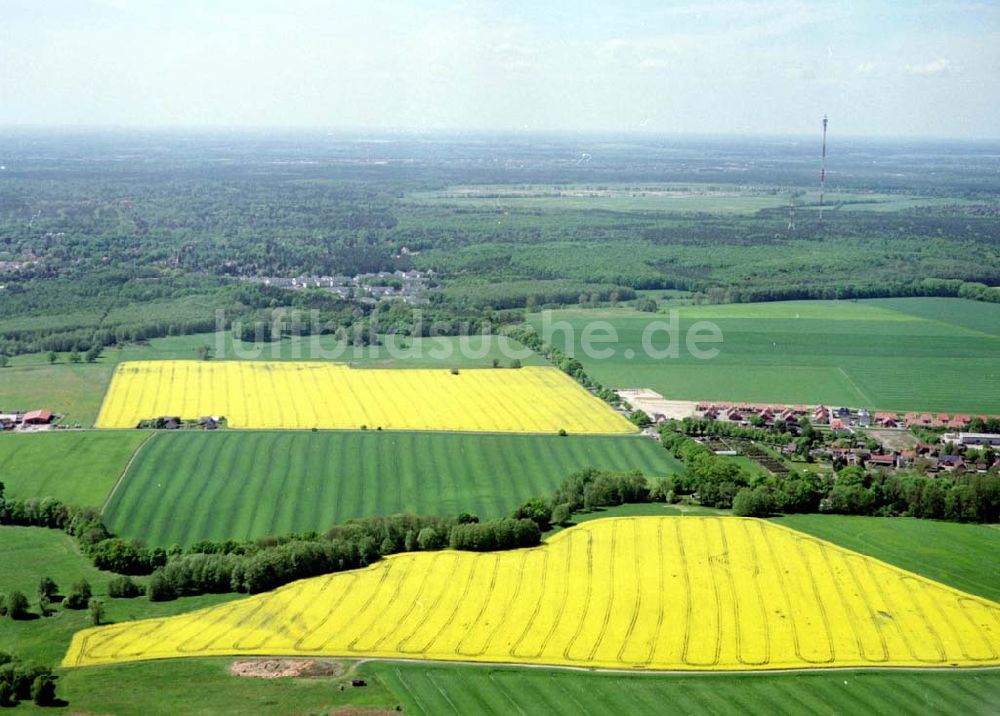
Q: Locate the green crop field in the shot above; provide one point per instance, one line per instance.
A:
(184, 487)
(78, 468)
(464, 690)
(961, 555)
(894, 354)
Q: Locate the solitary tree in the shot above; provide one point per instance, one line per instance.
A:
(53, 356)
(96, 612)
(47, 587)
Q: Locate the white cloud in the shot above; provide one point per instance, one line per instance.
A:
(934, 68)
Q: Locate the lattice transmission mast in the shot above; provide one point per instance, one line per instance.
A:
(822, 173)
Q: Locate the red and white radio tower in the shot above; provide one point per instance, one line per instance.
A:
(822, 174)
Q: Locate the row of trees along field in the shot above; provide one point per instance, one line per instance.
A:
(257, 566)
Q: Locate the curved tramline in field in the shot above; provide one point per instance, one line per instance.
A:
(299, 395)
(690, 593)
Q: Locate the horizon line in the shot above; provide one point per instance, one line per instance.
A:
(415, 132)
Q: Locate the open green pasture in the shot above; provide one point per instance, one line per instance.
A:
(30, 553)
(185, 487)
(76, 467)
(892, 354)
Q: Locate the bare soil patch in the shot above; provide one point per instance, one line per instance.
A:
(285, 668)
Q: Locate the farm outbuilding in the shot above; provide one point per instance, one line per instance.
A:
(38, 417)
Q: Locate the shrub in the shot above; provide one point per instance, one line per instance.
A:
(43, 690)
(428, 538)
(47, 588)
(17, 605)
(561, 513)
(641, 419)
(126, 557)
(535, 510)
(122, 587)
(160, 589)
(20, 677)
(753, 503)
(79, 595)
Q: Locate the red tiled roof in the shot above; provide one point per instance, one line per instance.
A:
(38, 415)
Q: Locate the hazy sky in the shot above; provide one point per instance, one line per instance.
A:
(904, 67)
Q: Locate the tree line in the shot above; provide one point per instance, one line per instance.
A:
(263, 564)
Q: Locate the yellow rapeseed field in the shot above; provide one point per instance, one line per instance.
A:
(691, 593)
(257, 394)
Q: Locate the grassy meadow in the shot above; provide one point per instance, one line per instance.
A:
(78, 468)
(30, 553)
(892, 354)
(184, 487)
